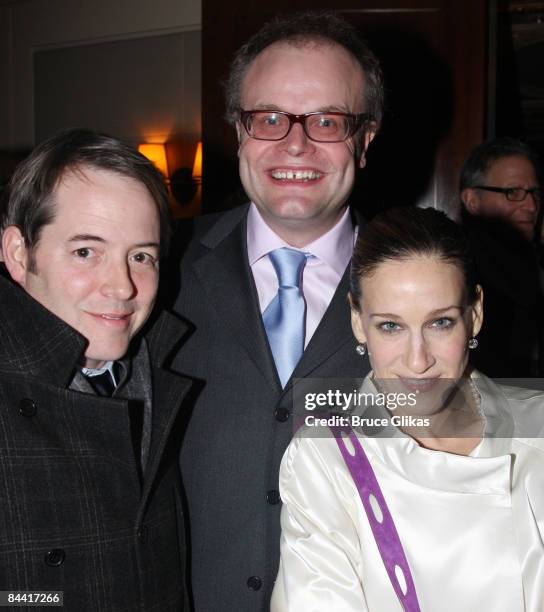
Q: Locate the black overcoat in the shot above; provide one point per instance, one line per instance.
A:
(76, 515)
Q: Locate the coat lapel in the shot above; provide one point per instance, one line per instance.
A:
(334, 330)
(34, 341)
(332, 333)
(225, 274)
(169, 388)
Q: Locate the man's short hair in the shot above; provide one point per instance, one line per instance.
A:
(29, 203)
(301, 28)
(487, 153)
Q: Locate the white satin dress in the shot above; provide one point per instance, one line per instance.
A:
(472, 527)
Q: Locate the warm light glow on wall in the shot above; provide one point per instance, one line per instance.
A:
(157, 154)
(197, 166)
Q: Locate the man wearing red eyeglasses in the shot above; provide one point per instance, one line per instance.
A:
(265, 286)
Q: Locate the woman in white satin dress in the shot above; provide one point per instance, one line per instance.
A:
(465, 491)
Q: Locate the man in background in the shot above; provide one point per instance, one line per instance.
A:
(89, 481)
(265, 286)
(500, 193)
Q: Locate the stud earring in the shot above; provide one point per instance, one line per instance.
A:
(361, 349)
(473, 343)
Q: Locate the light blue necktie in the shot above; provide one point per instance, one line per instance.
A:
(284, 317)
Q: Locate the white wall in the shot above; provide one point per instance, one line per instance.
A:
(29, 26)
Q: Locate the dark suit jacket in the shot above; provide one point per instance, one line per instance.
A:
(511, 340)
(75, 515)
(241, 421)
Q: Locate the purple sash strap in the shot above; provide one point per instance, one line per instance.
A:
(379, 517)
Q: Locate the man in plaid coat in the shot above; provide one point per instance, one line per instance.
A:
(88, 472)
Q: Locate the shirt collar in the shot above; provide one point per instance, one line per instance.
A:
(107, 367)
(334, 247)
(98, 371)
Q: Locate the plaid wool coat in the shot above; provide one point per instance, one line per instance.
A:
(76, 514)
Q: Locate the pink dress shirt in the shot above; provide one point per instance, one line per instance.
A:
(322, 273)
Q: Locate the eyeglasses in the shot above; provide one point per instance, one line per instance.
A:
(513, 194)
(320, 127)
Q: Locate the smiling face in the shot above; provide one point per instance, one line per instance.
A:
(510, 171)
(96, 264)
(300, 186)
(415, 321)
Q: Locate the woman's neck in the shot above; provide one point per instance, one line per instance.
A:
(458, 426)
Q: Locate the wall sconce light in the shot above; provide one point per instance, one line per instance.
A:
(157, 154)
(183, 182)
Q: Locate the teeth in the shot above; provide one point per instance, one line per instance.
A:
(298, 175)
(118, 318)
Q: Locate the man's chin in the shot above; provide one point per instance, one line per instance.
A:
(104, 356)
(525, 230)
(299, 211)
